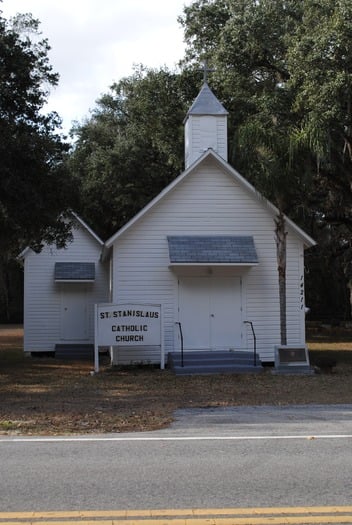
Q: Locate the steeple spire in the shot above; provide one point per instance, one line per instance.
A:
(206, 103)
(205, 126)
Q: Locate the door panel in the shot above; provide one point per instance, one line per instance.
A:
(74, 318)
(225, 313)
(194, 312)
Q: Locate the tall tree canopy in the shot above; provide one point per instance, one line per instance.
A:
(283, 69)
(320, 62)
(34, 188)
(131, 147)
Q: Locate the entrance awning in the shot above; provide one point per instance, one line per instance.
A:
(74, 272)
(231, 250)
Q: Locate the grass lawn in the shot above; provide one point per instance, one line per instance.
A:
(48, 396)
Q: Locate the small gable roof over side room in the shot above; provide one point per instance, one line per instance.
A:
(81, 223)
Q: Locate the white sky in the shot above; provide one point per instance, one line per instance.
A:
(96, 42)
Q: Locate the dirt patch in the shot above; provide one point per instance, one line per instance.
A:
(48, 396)
(11, 336)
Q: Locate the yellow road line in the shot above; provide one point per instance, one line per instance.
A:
(230, 516)
(176, 512)
(288, 520)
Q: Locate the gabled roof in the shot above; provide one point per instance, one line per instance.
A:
(84, 226)
(89, 230)
(206, 103)
(306, 239)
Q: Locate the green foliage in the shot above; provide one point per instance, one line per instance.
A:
(203, 21)
(320, 61)
(131, 147)
(283, 69)
(34, 188)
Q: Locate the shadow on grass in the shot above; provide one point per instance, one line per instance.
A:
(51, 396)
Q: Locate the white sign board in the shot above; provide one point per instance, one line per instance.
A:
(128, 325)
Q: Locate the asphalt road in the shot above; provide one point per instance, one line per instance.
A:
(209, 458)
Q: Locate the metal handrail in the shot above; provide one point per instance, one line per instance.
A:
(181, 336)
(254, 343)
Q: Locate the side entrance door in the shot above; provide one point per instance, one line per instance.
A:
(210, 312)
(74, 312)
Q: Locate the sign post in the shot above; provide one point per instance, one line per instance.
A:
(96, 345)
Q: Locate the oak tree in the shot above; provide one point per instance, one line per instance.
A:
(34, 185)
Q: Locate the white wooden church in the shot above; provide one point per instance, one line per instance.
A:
(204, 249)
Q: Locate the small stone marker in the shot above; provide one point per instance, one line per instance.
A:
(292, 360)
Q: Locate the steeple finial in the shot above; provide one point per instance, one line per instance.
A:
(206, 70)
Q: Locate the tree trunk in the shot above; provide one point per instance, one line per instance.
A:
(4, 290)
(349, 285)
(280, 237)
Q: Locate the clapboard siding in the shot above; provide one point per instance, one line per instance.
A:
(203, 132)
(42, 296)
(209, 201)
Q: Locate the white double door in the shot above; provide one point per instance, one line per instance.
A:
(210, 312)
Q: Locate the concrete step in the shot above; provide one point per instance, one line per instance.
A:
(211, 357)
(212, 362)
(216, 369)
(225, 361)
(191, 361)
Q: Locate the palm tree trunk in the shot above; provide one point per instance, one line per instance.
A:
(280, 237)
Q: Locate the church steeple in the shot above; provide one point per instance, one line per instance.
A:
(205, 126)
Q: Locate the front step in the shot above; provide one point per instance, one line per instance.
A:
(213, 362)
(75, 352)
(211, 357)
(216, 369)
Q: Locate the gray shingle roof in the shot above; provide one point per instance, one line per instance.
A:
(206, 103)
(74, 271)
(227, 249)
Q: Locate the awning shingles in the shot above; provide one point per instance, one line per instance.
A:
(212, 249)
(74, 271)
